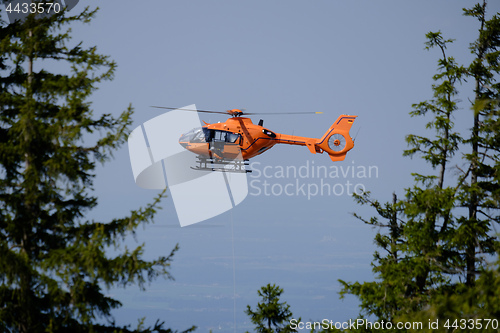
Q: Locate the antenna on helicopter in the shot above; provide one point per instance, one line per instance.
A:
(355, 136)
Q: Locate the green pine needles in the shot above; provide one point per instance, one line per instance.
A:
(271, 315)
(435, 242)
(54, 262)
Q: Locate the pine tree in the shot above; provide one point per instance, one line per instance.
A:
(482, 192)
(434, 251)
(271, 315)
(416, 244)
(54, 263)
(476, 298)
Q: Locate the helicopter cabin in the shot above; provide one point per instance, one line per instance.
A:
(204, 135)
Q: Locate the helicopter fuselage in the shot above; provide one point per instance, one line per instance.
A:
(238, 135)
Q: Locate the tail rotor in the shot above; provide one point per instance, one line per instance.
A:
(337, 141)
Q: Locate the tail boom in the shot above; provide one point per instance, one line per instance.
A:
(336, 142)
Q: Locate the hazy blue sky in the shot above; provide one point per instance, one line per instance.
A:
(364, 58)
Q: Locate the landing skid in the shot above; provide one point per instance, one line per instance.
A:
(215, 164)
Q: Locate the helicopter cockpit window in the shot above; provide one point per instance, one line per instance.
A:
(220, 136)
(209, 134)
(199, 136)
(189, 135)
(223, 136)
(232, 137)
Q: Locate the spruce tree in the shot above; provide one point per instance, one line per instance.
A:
(434, 252)
(55, 265)
(481, 193)
(270, 315)
(475, 301)
(418, 254)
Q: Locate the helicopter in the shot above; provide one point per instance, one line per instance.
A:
(228, 146)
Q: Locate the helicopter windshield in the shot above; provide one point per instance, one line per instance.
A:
(194, 135)
(199, 136)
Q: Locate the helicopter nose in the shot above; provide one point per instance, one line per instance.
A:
(184, 140)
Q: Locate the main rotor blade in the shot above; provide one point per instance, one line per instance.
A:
(228, 113)
(255, 113)
(205, 111)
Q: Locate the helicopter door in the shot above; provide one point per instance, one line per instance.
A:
(232, 148)
(225, 145)
(217, 144)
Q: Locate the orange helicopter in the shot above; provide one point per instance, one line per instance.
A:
(237, 140)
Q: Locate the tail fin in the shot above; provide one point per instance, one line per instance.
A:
(337, 141)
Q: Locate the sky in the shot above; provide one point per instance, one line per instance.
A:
(363, 58)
